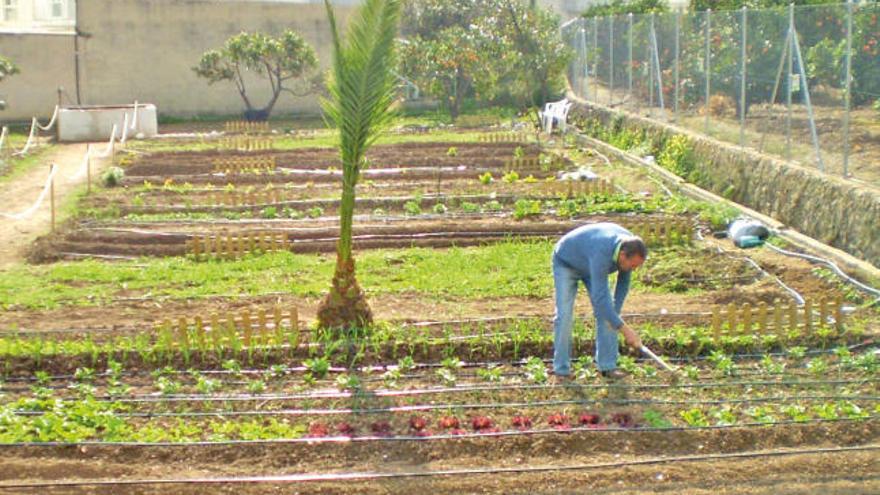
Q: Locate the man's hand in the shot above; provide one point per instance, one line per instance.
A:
(631, 337)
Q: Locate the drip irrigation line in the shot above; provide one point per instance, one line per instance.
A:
(444, 436)
(371, 476)
(790, 372)
(830, 264)
(388, 367)
(427, 323)
(480, 405)
(335, 394)
(793, 293)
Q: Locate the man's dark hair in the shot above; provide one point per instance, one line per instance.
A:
(634, 246)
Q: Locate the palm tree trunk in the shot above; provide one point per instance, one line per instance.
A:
(346, 304)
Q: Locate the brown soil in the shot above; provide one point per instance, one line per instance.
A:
(308, 236)
(405, 156)
(19, 194)
(844, 471)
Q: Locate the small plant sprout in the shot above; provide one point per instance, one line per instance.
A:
(440, 208)
(167, 386)
(692, 372)
(655, 419)
(486, 178)
(469, 207)
(315, 212)
(452, 363)
(796, 413)
(535, 370)
(844, 357)
(583, 368)
(84, 375)
(207, 386)
(761, 414)
(817, 366)
(797, 353)
(406, 363)
(490, 374)
(348, 382)
(519, 152)
(232, 366)
(412, 208)
(114, 369)
(723, 363)
(277, 370)
(391, 377)
(43, 378)
(772, 367)
(510, 177)
(694, 417)
(723, 417)
(317, 366)
(447, 376)
(256, 386)
(452, 152)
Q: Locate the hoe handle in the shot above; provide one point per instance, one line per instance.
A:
(657, 359)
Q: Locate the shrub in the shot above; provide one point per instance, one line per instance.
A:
(112, 176)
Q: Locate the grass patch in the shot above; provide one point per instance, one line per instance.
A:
(508, 269)
(505, 269)
(12, 168)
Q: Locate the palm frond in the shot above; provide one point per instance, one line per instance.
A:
(363, 85)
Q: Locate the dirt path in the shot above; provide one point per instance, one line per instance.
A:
(18, 195)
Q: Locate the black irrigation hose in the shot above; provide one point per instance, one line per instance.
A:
(444, 436)
(482, 405)
(385, 367)
(443, 390)
(369, 476)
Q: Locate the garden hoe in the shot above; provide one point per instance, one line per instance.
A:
(659, 361)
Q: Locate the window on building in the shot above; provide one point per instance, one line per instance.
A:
(57, 8)
(10, 10)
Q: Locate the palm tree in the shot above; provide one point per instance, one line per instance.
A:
(362, 89)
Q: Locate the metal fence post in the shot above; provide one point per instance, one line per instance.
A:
(611, 60)
(650, 61)
(585, 81)
(708, 65)
(596, 58)
(789, 89)
(630, 59)
(742, 85)
(677, 63)
(848, 87)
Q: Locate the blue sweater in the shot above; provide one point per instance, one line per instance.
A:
(589, 250)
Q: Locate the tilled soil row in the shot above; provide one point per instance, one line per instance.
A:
(314, 238)
(386, 455)
(433, 154)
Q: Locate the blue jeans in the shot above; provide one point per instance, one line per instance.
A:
(565, 280)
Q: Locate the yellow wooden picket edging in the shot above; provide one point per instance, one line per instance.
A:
(777, 319)
(664, 231)
(504, 137)
(245, 126)
(574, 188)
(246, 143)
(248, 198)
(226, 246)
(244, 164)
(250, 328)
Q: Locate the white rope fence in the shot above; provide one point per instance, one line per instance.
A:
(81, 170)
(30, 211)
(33, 135)
(51, 121)
(111, 145)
